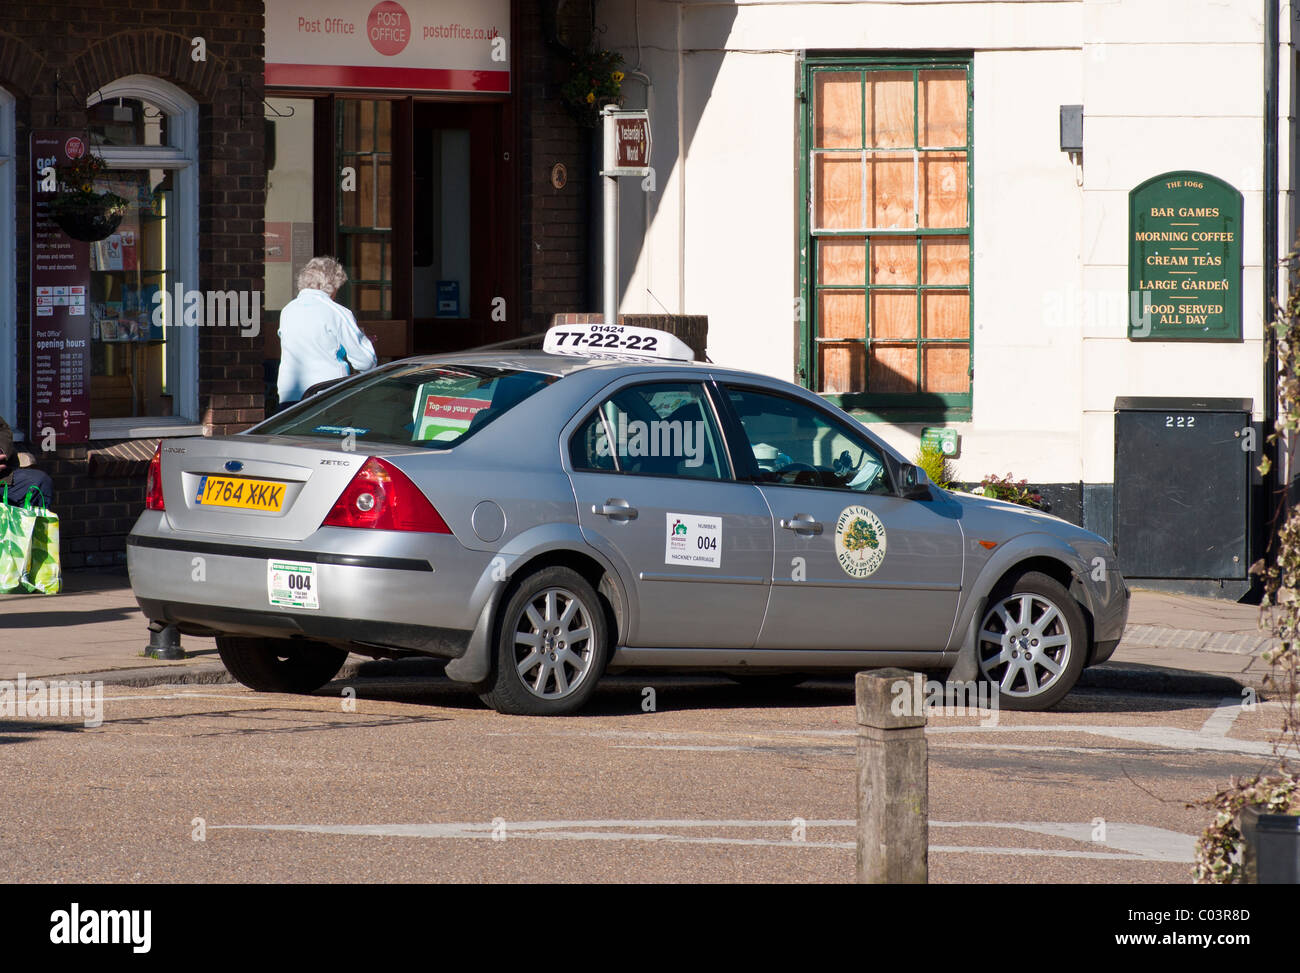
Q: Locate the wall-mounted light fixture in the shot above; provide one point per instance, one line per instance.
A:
(1072, 137)
(1071, 128)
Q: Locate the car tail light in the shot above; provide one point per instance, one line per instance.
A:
(382, 497)
(153, 492)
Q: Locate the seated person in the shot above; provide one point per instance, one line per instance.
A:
(15, 475)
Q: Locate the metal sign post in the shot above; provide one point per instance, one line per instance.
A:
(627, 153)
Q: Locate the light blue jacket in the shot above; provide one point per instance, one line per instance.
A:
(318, 340)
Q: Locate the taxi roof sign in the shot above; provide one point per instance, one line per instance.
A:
(616, 341)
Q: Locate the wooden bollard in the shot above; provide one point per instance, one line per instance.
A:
(893, 801)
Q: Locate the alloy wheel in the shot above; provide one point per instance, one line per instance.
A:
(1024, 644)
(553, 643)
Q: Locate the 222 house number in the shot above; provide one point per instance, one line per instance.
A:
(1180, 422)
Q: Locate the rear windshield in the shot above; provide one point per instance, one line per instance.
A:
(434, 406)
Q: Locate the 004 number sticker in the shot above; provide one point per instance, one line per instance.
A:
(292, 584)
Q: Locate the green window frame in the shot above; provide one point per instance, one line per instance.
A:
(952, 403)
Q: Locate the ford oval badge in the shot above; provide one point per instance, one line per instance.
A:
(234, 466)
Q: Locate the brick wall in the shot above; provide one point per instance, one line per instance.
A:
(95, 513)
(86, 45)
(553, 222)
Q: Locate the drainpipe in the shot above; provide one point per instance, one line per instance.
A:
(1275, 492)
(681, 169)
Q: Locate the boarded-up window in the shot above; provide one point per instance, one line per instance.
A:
(889, 193)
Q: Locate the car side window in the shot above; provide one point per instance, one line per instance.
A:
(655, 429)
(794, 444)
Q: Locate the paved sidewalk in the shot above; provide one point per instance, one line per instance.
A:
(1176, 637)
(94, 626)
(1174, 643)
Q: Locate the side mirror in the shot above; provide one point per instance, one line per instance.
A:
(913, 484)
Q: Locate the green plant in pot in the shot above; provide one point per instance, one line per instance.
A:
(1012, 491)
(1255, 834)
(78, 209)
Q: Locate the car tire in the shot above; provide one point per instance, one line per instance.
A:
(1032, 642)
(280, 665)
(552, 645)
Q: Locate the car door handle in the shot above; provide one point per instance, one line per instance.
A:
(802, 523)
(613, 507)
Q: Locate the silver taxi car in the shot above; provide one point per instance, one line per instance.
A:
(538, 518)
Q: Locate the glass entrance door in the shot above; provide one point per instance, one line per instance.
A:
(457, 241)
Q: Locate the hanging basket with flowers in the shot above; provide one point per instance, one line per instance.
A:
(594, 81)
(80, 211)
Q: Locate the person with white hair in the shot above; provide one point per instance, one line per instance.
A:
(319, 338)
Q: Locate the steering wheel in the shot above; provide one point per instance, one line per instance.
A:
(804, 474)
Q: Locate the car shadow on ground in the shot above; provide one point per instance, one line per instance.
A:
(25, 731)
(21, 620)
(615, 696)
(420, 682)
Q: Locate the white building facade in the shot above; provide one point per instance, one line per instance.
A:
(874, 199)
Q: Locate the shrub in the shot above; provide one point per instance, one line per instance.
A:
(937, 466)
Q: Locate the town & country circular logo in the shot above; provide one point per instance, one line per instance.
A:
(859, 541)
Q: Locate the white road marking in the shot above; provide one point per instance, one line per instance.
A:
(1219, 723)
(1149, 842)
(1125, 842)
(1212, 737)
(1169, 737)
(125, 699)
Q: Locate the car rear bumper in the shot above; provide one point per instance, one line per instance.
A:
(392, 591)
(350, 633)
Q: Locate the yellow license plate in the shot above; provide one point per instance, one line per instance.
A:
(235, 491)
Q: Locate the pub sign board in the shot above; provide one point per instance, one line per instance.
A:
(1184, 259)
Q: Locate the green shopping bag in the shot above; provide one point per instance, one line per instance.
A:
(43, 572)
(17, 525)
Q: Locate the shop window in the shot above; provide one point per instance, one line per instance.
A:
(144, 366)
(8, 268)
(364, 144)
(888, 190)
(128, 365)
(127, 121)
